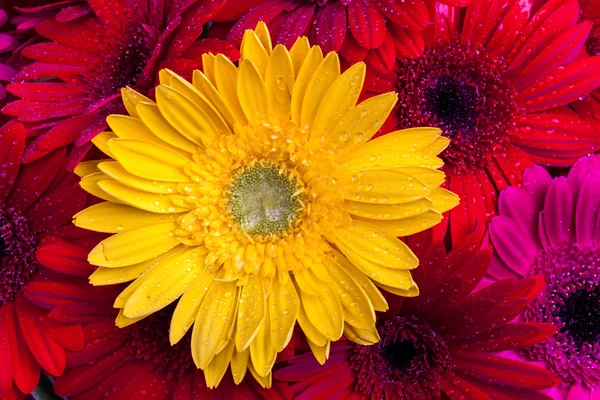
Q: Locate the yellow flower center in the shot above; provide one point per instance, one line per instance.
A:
(265, 200)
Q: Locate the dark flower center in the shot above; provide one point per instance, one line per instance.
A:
(405, 364)
(149, 341)
(17, 253)
(464, 92)
(580, 314)
(571, 301)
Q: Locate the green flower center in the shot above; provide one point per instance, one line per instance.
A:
(264, 200)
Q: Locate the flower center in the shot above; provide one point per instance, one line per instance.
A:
(405, 364)
(465, 93)
(264, 200)
(17, 253)
(571, 301)
(580, 314)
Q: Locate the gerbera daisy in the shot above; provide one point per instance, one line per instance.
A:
(139, 361)
(376, 31)
(38, 264)
(445, 343)
(556, 224)
(79, 73)
(253, 193)
(496, 77)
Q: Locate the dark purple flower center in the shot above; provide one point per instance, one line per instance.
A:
(464, 92)
(149, 342)
(571, 301)
(405, 364)
(17, 253)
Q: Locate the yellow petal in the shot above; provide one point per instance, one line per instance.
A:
(307, 282)
(185, 116)
(165, 282)
(388, 211)
(135, 245)
(356, 306)
(366, 337)
(309, 330)
(262, 32)
(399, 278)
(303, 77)
(324, 76)
(150, 161)
(239, 365)
(283, 310)
(187, 89)
(436, 147)
(443, 200)
(379, 302)
(264, 381)
(226, 75)
(128, 291)
(89, 183)
(279, 82)
(187, 308)
(253, 50)
(112, 276)
(215, 371)
(325, 313)
(113, 218)
(361, 122)
(262, 352)
(299, 52)
(209, 61)
(384, 186)
(203, 84)
(430, 177)
(413, 291)
(154, 120)
(120, 174)
(122, 321)
(213, 321)
(251, 312)
(101, 142)
(252, 92)
(409, 226)
(370, 242)
(87, 167)
(321, 353)
(338, 100)
(131, 99)
(157, 203)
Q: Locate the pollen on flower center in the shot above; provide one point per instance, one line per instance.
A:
(264, 200)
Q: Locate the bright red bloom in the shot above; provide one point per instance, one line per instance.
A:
(377, 31)
(497, 78)
(40, 266)
(446, 340)
(88, 60)
(139, 361)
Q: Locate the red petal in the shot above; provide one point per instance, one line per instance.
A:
(330, 27)
(132, 377)
(12, 144)
(72, 34)
(35, 111)
(57, 53)
(46, 91)
(215, 46)
(513, 24)
(411, 15)
(34, 179)
(503, 371)
(25, 369)
(497, 392)
(264, 12)
(366, 23)
(43, 347)
(519, 255)
(68, 336)
(72, 13)
(459, 389)
(352, 52)
(235, 9)
(100, 339)
(65, 257)
(482, 19)
(295, 24)
(382, 58)
(82, 313)
(408, 44)
(112, 13)
(507, 337)
(51, 294)
(42, 70)
(6, 382)
(55, 209)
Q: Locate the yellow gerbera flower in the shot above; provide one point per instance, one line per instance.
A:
(253, 196)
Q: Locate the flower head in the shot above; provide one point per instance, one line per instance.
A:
(555, 222)
(448, 342)
(497, 78)
(78, 74)
(39, 268)
(254, 195)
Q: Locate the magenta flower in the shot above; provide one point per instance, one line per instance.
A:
(552, 227)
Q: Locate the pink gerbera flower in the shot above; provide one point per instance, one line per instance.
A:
(552, 227)
(78, 75)
(445, 343)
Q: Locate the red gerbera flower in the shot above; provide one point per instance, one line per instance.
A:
(496, 78)
(377, 31)
(446, 340)
(138, 361)
(89, 60)
(39, 264)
